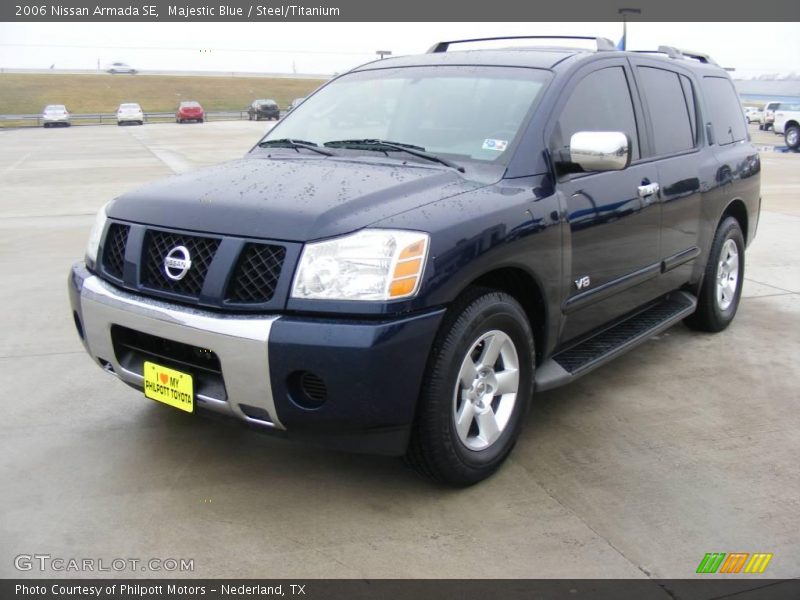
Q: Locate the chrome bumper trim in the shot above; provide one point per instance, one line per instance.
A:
(240, 342)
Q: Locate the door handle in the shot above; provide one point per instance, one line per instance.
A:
(648, 189)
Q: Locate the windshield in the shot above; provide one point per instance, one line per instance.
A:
(129, 106)
(190, 105)
(55, 108)
(467, 112)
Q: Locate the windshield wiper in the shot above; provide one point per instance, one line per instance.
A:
(294, 144)
(384, 145)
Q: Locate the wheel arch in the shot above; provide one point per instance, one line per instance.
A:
(738, 210)
(526, 289)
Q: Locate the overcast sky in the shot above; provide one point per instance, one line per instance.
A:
(323, 48)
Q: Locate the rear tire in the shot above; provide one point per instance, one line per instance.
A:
(792, 137)
(722, 283)
(476, 390)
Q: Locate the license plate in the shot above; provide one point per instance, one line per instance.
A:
(169, 386)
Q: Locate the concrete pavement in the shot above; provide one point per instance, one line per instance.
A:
(687, 445)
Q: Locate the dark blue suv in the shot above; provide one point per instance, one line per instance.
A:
(426, 242)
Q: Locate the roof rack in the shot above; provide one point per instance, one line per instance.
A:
(680, 53)
(603, 44)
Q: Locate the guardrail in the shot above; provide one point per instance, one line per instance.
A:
(111, 118)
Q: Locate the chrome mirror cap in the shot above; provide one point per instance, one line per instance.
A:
(600, 150)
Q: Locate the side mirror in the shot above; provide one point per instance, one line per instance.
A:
(600, 150)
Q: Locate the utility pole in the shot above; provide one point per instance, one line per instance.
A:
(625, 12)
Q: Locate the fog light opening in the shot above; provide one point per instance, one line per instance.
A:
(307, 389)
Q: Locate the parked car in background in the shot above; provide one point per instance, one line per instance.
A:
(752, 114)
(295, 103)
(266, 109)
(121, 68)
(55, 114)
(768, 115)
(189, 110)
(787, 123)
(130, 112)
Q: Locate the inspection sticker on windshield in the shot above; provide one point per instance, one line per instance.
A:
(499, 145)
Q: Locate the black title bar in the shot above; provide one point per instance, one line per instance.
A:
(397, 10)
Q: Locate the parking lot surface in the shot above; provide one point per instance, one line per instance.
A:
(685, 446)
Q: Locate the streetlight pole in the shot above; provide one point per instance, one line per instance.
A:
(383, 53)
(625, 12)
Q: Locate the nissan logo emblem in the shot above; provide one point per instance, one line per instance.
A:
(177, 263)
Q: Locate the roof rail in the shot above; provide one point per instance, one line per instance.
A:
(603, 44)
(673, 52)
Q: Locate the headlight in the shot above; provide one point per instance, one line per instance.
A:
(94, 236)
(373, 264)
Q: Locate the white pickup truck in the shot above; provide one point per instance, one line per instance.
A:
(787, 122)
(767, 116)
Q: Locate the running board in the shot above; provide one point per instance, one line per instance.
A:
(578, 360)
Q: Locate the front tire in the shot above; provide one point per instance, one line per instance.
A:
(477, 387)
(792, 137)
(722, 283)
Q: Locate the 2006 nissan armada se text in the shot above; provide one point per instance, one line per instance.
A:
(426, 242)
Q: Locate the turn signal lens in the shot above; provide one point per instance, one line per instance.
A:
(412, 250)
(408, 269)
(402, 287)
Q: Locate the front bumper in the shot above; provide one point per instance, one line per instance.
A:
(370, 372)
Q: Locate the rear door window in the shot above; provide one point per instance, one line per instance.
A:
(600, 102)
(668, 109)
(724, 110)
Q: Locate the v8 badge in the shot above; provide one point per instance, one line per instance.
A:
(583, 282)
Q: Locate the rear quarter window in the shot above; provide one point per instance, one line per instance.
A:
(725, 114)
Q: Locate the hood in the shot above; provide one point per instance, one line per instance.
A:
(290, 199)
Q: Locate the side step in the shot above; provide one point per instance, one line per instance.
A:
(578, 360)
